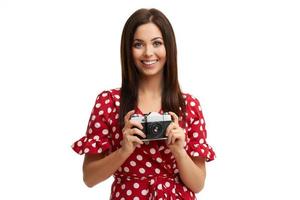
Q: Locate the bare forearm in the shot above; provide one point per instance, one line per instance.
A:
(96, 171)
(191, 175)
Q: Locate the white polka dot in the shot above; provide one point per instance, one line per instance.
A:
(167, 151)
(195, 135)
(136, 198)
(159, 186)
(79, 143)
(202, 121)
(117, 96)
(173, 190)
(159, 160)
(201, 141)
(93, 117)
(104, 94)
(136, 185)
(157, 170)
(98, 105)
(196, 122)
(152, 181)
(148, 164)
(126, 169)
(142, 170)
(129, 192)
(109, 110)
(97, 125)
(144, 192)
(139, 157)
(191, 194)
(117, 136)
(117, 194)
(90, 131)
(132, 163)
(184, 188)
(114, 128)
(123, 186)
(101, 112)
(100, 150)
(167, 184)
(152, 151)
(86, 150)
(200, 108)
(117, 103)
(196, 154)
(107, 101)
(94, 145)
(202, 150)
(192, 103)
(201, 128)
(122, 198)
(161, 148)
(176, 171)
(96, 137)
(105, 131)
(117, 116)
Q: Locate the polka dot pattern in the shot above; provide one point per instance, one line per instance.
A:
(151, 171)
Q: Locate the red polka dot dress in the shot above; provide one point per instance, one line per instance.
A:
(150, 173)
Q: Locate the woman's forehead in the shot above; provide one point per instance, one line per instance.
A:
(147, 31)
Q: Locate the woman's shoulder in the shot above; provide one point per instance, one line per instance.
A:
(110, 93)
(192, 103)
(109, 96)
(189, 98)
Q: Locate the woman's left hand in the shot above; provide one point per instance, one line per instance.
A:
(175, 134)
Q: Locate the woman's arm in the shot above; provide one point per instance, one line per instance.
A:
(99, 167)
(192, 171)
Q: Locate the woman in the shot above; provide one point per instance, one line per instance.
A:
(162, 169)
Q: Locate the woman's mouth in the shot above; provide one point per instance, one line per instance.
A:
(149, 62)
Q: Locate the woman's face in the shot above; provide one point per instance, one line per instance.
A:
(148, 50)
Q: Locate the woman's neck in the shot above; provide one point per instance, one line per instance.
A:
(151, 86)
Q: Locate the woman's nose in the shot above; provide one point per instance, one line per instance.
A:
(148, 51)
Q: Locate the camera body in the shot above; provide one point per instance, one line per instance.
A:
(154, 125)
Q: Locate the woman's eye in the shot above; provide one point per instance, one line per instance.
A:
(157, 44)
(137, 45)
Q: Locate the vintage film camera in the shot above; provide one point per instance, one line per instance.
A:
(154, 125)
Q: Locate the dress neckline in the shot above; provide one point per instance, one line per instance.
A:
(139, 111)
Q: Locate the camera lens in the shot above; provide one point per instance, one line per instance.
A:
(156, 128)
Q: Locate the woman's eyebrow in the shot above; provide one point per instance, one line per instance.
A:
(139, 40)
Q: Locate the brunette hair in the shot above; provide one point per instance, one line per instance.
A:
(172, 99)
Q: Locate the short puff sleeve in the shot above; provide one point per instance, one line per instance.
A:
(196, 141)
(97, 138)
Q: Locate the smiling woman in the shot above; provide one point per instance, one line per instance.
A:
(148, 50)
(171, 168)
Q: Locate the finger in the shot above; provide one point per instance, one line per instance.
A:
(127, 116)
(170, 135)
(136, 140)
(174, 116)
(136, 124)
(169, 128)
(175, 136)
(136, 131)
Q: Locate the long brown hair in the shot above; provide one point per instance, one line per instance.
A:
(172, 99)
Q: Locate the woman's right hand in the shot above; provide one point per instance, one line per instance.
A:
(130, 141)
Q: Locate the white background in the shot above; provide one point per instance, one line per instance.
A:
(240, 58)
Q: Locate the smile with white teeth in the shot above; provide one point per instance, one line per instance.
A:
(149, 62)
